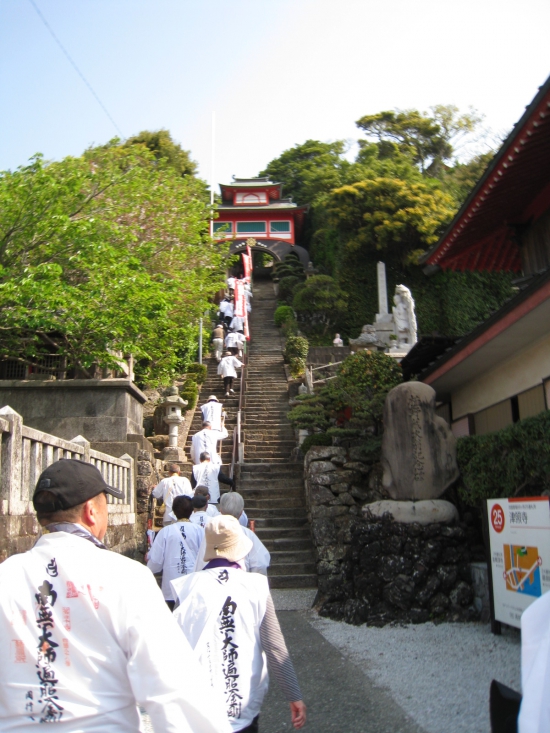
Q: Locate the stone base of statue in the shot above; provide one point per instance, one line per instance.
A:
(430, 511)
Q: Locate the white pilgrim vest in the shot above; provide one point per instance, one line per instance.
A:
(174, 552)
(220, 613)
(212, 413)
(534, 714)
(207, 475)
(201, 519)
(207, 440)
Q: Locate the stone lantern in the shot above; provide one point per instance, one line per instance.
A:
(173, 406)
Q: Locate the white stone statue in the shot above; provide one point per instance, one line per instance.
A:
(404, 316)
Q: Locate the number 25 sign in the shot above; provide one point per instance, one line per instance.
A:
(497, 517)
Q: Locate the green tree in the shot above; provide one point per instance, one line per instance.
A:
(319, 303)
(161, 145)
(309, 169)
(105, 253)
(390, 217)
(429, 140)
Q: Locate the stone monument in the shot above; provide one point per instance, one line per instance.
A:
(418, 447)
(393, 332)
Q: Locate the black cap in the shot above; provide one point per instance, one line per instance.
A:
(72, 482)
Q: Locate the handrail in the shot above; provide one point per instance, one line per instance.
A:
(326, 366)
(235, 448)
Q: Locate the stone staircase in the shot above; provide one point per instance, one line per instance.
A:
(214, 385)
(271, 484)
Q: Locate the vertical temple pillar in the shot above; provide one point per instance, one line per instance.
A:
(382, 289)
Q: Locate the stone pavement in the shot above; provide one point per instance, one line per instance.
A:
(340, 697)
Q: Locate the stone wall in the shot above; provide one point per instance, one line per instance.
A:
(376, 570)
(102, 410)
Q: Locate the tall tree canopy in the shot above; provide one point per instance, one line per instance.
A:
(410, 175)
(429, 141)
(104, 253)
(162, 146)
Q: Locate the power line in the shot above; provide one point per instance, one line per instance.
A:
(75, 67)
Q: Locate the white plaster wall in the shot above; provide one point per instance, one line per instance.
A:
(523, 371)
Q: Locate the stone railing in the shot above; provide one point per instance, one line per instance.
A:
(25, 453)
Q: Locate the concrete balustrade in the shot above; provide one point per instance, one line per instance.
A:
(25, 453)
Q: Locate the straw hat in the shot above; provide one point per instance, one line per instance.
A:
(225, 538)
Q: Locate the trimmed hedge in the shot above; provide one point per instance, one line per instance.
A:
(283, 314)
(197, 372)
(190, 392)
(510, 462)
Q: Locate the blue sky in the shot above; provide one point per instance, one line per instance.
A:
(274, 72)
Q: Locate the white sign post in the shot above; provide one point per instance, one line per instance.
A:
(519, 538)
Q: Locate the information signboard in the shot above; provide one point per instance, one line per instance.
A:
(519, 537)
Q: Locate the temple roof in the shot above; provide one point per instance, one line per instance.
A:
(514, 190)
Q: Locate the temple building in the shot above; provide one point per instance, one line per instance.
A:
(253, 211)
(500, 372)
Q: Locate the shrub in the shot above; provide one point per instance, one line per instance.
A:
(309, 416)
(315, 439)
(297, 367)
(290, 328)
(297, 347)
(190, 392)
(510, 462)
(197, 372)
(287, 287)
(283, 314)
(319, 303)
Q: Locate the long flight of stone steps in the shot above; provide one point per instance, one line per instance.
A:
(213, 385)
(271, 483)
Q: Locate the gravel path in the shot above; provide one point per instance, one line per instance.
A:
(438, 674)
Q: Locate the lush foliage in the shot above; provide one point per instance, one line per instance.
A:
(392, 203)
(283, 314)
(359, 390)
(319, 303)
(190, 392)
(287, 288)
(315, 439)
(164, 149)
(198, 372)
(510, 462)
(103, 255)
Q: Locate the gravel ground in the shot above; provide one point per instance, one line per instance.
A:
(438, 674)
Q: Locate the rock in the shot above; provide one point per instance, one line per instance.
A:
(339, 488)
(321, 495)
(432, 585)
(461, 596)
(324, 532)
(368, 554)
(357, 466)
(328, 511)
(321, 467)
(355, 612)
(144, 468)
(322, 452)
(400, 592)
(418, 447)
(448, 575)
(338, 460)
(358, 492)
(423, 512)
(439, 604)
(346, 499)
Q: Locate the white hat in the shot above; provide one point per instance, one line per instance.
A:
(212, 397)
(225, 538)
